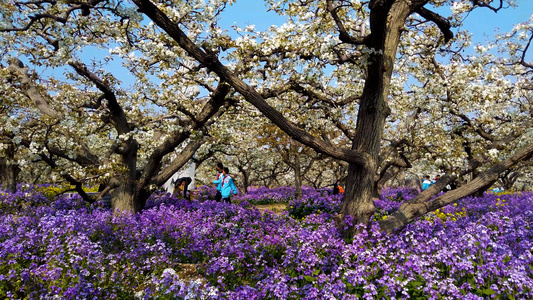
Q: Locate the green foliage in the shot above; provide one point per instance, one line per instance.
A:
(415, 287)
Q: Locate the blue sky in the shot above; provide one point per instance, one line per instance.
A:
(248, 12)
(482, 22)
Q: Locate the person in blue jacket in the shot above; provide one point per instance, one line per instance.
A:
(218, 181)
(227, 186)
(426, 183)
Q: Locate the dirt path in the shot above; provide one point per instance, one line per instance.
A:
(275, 208)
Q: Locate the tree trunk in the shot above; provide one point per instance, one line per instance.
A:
(386, 23)
(245, 182)
(420, 205)
(357, 200)
(245, 178)
(297, 176)
(134, 186)
(8, 170)
(123, 198)
(126, 197)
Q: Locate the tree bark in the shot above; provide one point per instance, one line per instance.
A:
(297, 176)
(418, 206)
(125, 196)
(9, 170)
(509, 179)
(245, 179)
(30, 89)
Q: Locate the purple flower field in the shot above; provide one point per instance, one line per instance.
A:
(480, 248)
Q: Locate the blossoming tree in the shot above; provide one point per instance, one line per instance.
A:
(382, 73)
(85, 125)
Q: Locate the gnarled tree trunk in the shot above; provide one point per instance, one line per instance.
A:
(387, 18)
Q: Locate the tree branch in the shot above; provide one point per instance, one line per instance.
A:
(309, 93)
(84, 7)
(343, 33)
(184, 156)
(118, 117)
(30, 89)
(78, 185)
(443, 24)
(523, 58)
(482, 3)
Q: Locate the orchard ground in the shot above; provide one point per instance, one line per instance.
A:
(61, 247)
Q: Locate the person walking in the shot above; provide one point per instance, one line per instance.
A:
(227, 186)
(218, 181)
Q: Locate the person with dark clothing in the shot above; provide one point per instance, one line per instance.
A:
(451, 186)
(218, 181)
(337, 188)
(181, 184)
